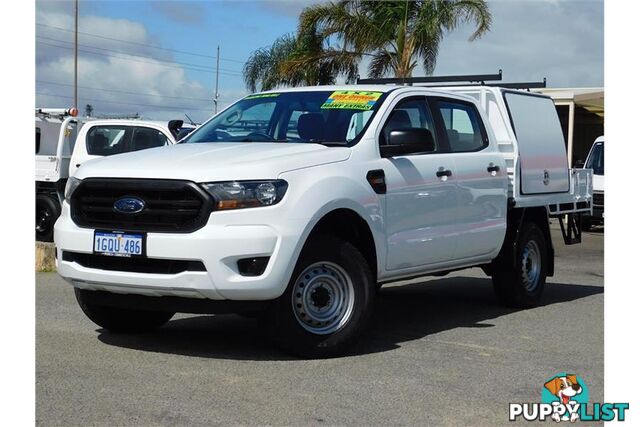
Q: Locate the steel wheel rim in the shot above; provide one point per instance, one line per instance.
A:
(531, 265)
(323, 298)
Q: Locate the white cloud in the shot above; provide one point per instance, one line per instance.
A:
(152, 85)
(560, 40)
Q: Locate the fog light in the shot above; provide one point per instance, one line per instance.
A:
(252, 266)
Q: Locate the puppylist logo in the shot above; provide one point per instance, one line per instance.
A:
(565, 397)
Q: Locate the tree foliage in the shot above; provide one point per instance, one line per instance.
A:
(334, 37)
(398, 35)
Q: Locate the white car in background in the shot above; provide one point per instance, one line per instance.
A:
(595, 161)
(64, 142)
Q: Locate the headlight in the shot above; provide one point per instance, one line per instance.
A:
(72, 184)
(246, 194)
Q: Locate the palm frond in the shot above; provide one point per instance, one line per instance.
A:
(382, 63)
(476, 11)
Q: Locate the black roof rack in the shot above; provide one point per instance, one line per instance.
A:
(472, 78)
(467, 80)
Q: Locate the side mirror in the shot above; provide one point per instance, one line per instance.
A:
(408, 141)
(579, 164)
(174, 126)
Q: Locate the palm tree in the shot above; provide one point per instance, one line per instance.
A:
(278, 65)
(396, 35)
(263, 65)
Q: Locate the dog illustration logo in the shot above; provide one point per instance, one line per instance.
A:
(567, 390)
(565, 397)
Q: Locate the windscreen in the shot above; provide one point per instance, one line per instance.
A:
(324, 117)
(596, 159)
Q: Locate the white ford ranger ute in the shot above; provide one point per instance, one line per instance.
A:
(297, 204)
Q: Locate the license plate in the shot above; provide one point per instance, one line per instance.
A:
(118, 244)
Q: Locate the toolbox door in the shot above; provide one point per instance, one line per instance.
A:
(542, 151)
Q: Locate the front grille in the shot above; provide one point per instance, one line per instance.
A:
(133, 264)
(169, 206)
(598, 199)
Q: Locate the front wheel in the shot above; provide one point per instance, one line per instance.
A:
(328, 302)
(522, 285)
(120, 320)
(47, 212)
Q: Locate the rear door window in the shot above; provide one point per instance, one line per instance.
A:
(462, 125)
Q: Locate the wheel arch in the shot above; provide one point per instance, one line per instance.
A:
(347, 224)
(516, 218)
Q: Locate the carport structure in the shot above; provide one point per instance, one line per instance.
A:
(581, 112)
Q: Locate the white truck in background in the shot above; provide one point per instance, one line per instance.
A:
(595, 162)
(299, 203)
(65, 141)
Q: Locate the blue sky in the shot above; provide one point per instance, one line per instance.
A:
(562, 40)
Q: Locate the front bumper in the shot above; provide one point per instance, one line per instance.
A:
(218, 246)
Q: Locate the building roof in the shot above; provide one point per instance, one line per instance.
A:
(590, 98)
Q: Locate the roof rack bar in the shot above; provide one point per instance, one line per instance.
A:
(510, 85)
(522, 85)
(480, 78)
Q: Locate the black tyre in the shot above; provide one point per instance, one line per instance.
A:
(586, 223)
(328, 303)
(523, 285)
(47, 212)
(120, 320)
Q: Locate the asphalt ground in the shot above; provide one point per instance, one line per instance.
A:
(441, 351)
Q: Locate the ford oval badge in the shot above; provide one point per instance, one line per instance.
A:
(128, 205)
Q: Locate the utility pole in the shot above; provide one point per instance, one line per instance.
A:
(216, 94)
(75, 62)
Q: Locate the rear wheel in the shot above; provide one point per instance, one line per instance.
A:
(522, 285)
(120, 320)
(47, 212)
(328, 302)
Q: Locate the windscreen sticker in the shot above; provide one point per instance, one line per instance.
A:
(351, 100)
(262, 95)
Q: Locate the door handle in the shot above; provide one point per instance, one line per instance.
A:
(443, 172)
(493, 168)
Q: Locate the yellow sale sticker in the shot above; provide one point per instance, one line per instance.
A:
(351, 100)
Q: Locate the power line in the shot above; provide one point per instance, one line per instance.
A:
(186, 64)
(161, 63)
(125, 92)
(139, 56)
(125, 53)
(142, 44)
(162, 107)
